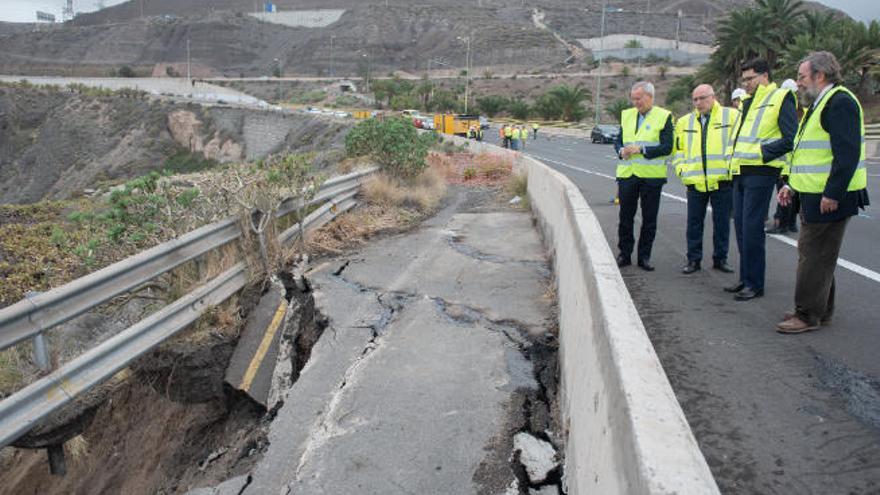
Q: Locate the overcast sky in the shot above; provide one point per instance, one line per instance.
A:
(24, 10)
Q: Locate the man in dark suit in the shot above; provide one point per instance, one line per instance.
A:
(764, 138)
(829, 176)
(643, 145)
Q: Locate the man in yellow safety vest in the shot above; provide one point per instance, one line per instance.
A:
(763, 139)
(643, 145)
(829, 176)
(703, 146)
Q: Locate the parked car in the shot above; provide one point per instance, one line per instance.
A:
(604, 133)
(484, 122)
(423, 121)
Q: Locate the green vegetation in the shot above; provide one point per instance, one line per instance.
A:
(614, 108)
(492, 105)
(394, 143)
(185, 161)
(308, 97)
(633, 43)
(783, 32)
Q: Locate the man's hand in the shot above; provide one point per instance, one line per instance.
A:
(784, 196)
(827, 205)
(629, 150)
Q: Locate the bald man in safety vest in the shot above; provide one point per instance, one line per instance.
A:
(829, 176)
(703, 146)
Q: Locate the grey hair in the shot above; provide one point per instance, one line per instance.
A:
(824, 62)
(646, 86)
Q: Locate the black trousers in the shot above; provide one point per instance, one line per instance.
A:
(818, 248)
(632, 191)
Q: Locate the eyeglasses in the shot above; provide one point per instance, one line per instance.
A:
(701, 98)
(746, 79)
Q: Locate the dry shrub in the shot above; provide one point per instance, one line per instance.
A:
(493, 166)
(518, 185)
(422, 193)
(390, 204)
(354, 228)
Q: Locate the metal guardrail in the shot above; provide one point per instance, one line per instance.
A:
(33, 316)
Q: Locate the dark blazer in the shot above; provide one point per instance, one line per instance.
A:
(842, 120)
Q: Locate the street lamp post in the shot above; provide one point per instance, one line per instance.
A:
(188, 63)
(599, 74)
(467, 77)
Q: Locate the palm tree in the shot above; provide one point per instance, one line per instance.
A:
(742, 35)
(570, 100)
(782, 20)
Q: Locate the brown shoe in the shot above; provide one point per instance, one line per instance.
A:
(795, 325)
(791, 314)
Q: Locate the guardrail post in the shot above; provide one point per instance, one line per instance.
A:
(40, 348)
(259, 220)
(57, 466)
(41, 352)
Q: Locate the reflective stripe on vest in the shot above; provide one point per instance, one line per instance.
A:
(688, 161)
(812, 156)
(647, 135)
(759, 127)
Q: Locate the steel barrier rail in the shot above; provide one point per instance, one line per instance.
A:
(33, 315)
(24, 409)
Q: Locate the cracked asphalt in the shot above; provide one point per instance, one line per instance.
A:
(428, 366)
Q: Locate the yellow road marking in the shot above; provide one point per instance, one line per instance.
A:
(251, 372)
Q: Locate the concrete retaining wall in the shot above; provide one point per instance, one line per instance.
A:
(625, 431)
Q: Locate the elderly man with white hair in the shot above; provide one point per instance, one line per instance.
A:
(643, 145)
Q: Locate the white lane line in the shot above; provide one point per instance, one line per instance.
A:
(849, 265)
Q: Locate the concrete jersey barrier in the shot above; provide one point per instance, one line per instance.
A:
(625, 431)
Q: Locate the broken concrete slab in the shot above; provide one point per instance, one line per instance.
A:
(411, 386)
(417, 414)
(252, 365)
(232, 486)
(536, 455)
(352, 316)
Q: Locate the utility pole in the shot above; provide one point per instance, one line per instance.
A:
(599, 74)
(678, 30)
(332, 71)
(188, 64)
(467, 78)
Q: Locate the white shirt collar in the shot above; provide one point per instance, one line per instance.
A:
(821, 94)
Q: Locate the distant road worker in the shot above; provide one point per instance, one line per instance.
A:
(534, 130)
(515, 138)
(523, 136)
(508, 136)
(737, 97)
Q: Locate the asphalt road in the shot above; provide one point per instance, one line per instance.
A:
(772, 413)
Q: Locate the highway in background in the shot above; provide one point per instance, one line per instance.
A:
(772, 413)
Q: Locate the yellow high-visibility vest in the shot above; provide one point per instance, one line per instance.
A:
(647, 135)
(508, 132)
(759, 126)
(688, 156)
(812, 156)
(516, 134)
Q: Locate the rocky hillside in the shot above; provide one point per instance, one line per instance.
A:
(56, 143)
(227, 41)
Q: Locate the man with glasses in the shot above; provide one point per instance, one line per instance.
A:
(643, 145)
(765, 135)
(703, 146)
(828, 173)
